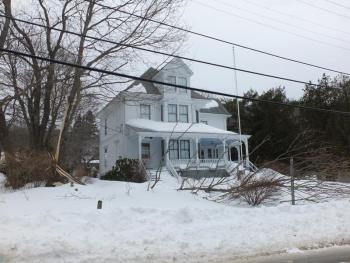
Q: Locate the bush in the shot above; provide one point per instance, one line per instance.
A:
(255, 191)
(126, 170)
(29, 167)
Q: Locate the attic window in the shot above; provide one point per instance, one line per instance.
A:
(171, 80)
(183, 82)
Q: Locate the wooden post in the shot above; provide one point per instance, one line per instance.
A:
(291, 172)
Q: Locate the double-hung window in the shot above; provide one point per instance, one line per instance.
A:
(171, 80)
(145, 111)
(183, 113)
(173, 150)
(185, 149)
(106, 127)
(145, 151)
(105, 156)
(172, 113)
(183, 82)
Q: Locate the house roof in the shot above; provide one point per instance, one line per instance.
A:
(143, 125)
(219, 109)
(150, 88)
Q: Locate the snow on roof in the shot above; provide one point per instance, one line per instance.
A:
(211, 104)
(172, 127)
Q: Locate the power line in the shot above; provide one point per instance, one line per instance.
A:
(224, 41)
(169, 54)
(271, 26)
(323, 26)
(323, 9)
(269, 18)
(169, 84)
(337, 4)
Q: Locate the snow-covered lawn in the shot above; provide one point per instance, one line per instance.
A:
(62, 224)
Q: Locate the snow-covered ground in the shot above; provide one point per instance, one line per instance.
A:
(62, 224)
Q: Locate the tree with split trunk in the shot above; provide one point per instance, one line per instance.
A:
(53, 91)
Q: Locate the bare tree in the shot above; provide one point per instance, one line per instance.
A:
(51, 88)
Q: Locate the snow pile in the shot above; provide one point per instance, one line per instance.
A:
(62, 224)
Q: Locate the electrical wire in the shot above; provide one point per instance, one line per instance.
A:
(169, 84)
(223, 41)
(169, 54)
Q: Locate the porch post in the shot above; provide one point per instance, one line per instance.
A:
(225, 153)
(239, 152)
(229, 153)
(197, 150)
(166, 153)
(246, 152)
(140, 148)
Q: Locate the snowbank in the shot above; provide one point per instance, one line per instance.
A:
(62, 224)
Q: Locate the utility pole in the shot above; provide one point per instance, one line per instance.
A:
(291, 173)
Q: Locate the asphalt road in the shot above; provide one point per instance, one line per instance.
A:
(328, 255)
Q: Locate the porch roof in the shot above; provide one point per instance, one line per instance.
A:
(150, 126)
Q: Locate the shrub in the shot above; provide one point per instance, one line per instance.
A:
(255, 191)
(29, 167)
(126, 170)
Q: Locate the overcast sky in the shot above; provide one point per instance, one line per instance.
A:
(314, 31)
(238, 21)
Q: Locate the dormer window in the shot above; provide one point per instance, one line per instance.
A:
(171, 80)
(183, 82)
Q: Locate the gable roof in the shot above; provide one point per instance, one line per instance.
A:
(150, 88)
(220, 109)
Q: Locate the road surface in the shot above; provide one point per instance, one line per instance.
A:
(327, 255)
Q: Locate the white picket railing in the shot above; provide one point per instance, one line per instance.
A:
(187, 163)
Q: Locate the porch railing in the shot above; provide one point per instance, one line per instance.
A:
(193, 163)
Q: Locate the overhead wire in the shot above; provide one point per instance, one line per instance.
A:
(223, 41)
(117, 74)
(271, 26)
(170, 54)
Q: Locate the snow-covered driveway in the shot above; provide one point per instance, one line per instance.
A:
(63, 225)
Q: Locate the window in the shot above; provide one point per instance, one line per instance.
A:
(197, 116)
(205, 122)
(106, 121)
(171, 80)
(210, 155)
(184, 149)
(183, 113)
(145, 151)
(161, 113)
(172, 113)
(173, 149)
(145, 111)
(217, 153)
(105, 156)
(183, 82)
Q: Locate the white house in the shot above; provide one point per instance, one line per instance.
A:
(172, 127)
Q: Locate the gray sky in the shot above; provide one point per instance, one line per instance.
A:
(227, 19)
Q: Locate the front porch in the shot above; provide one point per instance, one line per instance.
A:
(184, 146)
